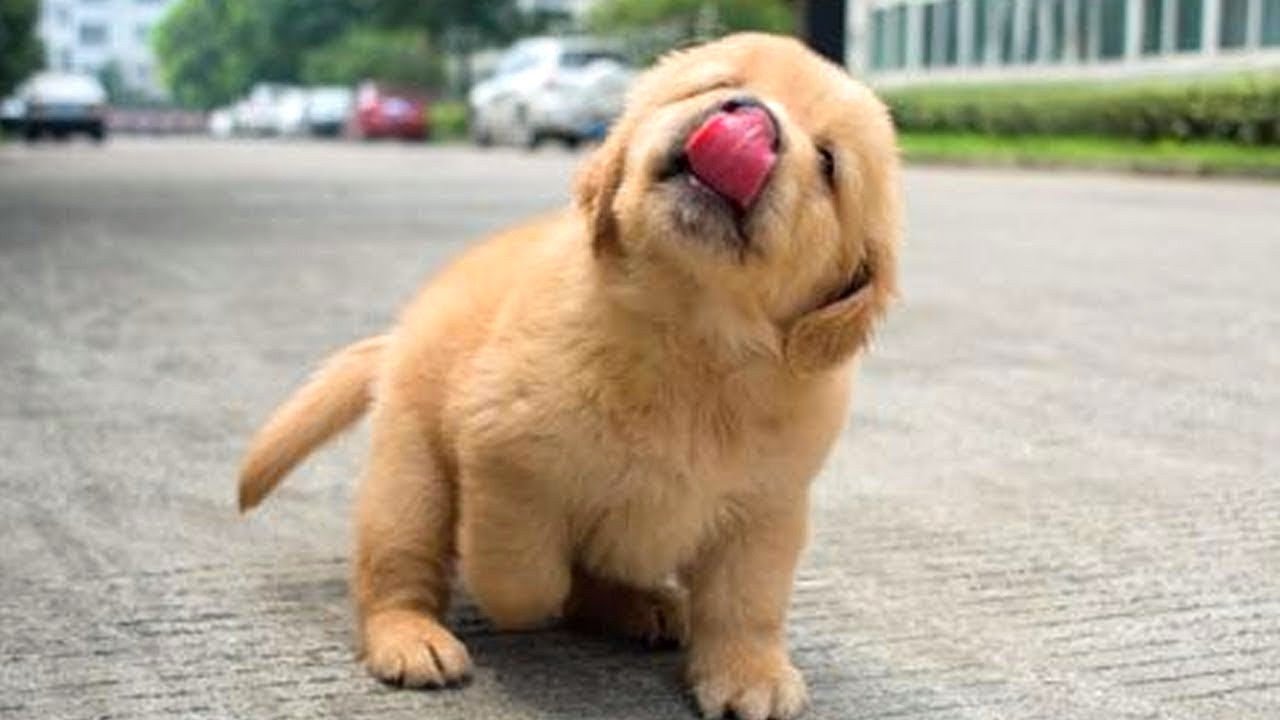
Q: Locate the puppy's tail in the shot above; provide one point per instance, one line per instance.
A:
(336, 396)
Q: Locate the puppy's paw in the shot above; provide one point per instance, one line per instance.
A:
(752, 684)
(658, 617)
(408, 648)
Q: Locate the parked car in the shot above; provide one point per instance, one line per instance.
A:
(289, 116)
(383, 111)
(222, 122)
(568, 88)
(258, 113)
(60, 103)
(328, 110)
(12, 113)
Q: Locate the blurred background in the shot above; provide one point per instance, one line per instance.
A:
(1178, 85)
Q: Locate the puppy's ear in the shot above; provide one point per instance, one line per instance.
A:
(597, 184)
(829, 335)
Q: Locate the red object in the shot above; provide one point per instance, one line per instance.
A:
(386, 112)
(732, 153)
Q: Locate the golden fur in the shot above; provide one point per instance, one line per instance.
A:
(612, 414)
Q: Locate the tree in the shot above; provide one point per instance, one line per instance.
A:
(211, 51)
(404, 57)
(21, 52)
(652, 27)
(696, 18)
(492, 20)
(208, 49)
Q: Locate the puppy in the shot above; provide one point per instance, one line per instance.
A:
(612, 414)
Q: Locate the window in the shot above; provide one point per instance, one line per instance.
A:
(979, 49)
(1005, 10)
(1114, 21)
(1271, 22)
(1190, 17)
(931, 16)
(1231, 23)
(939, 42)
(877, 39)
(93, 34)
(899, 44)
(1152, 22)
(952, 31)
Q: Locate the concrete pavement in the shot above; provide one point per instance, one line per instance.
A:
(1059, 496)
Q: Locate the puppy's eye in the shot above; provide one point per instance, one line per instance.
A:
(827, 162)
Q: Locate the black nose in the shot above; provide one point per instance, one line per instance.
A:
(738, 102)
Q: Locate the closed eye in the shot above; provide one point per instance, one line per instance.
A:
(827, 163)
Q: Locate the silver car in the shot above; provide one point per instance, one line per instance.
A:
(566, 88)
(59, 104)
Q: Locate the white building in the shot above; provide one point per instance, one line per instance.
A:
(909, 41)
(88, 35)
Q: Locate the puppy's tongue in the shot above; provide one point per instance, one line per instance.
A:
(732, 153)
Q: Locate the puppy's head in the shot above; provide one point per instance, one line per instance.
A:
(752, 176)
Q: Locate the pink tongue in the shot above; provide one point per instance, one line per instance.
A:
(732, 153)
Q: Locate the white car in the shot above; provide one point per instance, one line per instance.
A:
(259, 112)
(329, 110)
(59, 104)
(568, 89)
(222, 122)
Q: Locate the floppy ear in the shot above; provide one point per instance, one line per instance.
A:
(827, 336)
(597, 184)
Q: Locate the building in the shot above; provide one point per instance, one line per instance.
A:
(572, 8)
(911, 41)
(90, 35)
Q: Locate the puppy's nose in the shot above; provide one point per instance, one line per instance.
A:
(745, 101)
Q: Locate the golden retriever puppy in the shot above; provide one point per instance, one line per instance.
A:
(612, 414)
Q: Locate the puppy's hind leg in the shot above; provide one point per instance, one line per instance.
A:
(658, 617)
(514, 547)
(405, 519)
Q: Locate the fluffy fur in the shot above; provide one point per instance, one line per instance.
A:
(613, 414)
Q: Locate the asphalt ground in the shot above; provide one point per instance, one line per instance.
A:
(1058, 497)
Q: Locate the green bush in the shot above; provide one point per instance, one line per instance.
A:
(1242, 109)
(448, 120)
(405, 57)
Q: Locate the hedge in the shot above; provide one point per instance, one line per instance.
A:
(448, 120)
(1242, 109)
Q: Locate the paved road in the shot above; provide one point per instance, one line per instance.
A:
(1059, 496)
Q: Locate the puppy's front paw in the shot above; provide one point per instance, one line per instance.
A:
(752, 683)
(410, 648)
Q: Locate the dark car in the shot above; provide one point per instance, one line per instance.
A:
(383, 111)
(60, 104)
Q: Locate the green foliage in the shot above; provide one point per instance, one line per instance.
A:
(20, 50)
(211, 51)
(208, 49)
(695, 16)
(448, 121)
(1242, 109)
(487, 19)
(403, 57)
(651, 27)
